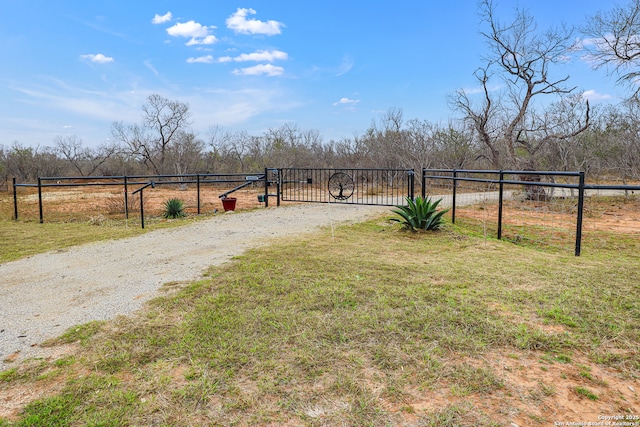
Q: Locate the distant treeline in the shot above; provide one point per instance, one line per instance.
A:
(609, 146)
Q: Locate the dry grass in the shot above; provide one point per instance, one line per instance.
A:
(374, 326)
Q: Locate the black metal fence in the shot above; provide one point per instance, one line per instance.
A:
(385, 187)
(132, 185)
(497, 195)
(534, 194)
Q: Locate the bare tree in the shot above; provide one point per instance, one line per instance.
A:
(83, 159)
(162, 122)
(137, 142)
(186, 154)
(165, 118)
(614, 42)
(231, 148)
(453, 148)
(505, 120)
(70, 147)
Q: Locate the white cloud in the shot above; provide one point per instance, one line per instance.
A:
(210, 39)
(346, 101)
(239, 23)
(479, 89)
(99, 58)
(162, 19)
(150, 66)
(258, 56)
(208, 59)
(592, 95)
(198, 33)
(345, 66)
(260, 69)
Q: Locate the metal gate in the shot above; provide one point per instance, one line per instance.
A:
(385, 187)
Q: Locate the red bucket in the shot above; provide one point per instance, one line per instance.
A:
(229, 203)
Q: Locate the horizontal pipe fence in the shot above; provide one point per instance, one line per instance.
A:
(134, 184)
(533, 194)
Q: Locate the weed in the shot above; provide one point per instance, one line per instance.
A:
(563, 358)
(81, 333)
(547, 389)
(97, 220)
(469, 379)
(463, 415)
(582, 391)
(9, 375)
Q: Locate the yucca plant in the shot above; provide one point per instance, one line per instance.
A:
(173, 208)
(420, 214)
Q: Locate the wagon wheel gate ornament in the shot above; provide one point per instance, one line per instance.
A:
(341, 186)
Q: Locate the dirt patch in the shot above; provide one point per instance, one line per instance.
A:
(535, 390)
(84, 203)
(619, 216)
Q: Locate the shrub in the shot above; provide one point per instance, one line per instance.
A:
(420, 214)
(173, 208)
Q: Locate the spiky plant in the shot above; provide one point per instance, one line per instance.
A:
(420, 214)
(173, 208)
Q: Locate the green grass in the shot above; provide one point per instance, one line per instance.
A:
(352, 329)
(22, 239)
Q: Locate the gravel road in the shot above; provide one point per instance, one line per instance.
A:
(44, 295)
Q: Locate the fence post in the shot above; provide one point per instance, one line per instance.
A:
(142, 207)
(126, 199)
(40, 199)
(580, 211)
(424, 184)
(453, 199)
(15, 200)
(266, 187)
(412, 183)
(198, 191)
(500, 200)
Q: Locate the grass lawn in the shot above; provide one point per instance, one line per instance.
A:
(375, 326)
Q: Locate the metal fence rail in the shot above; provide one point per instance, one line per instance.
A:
(132, 184)
(385, 187)
(503, 184)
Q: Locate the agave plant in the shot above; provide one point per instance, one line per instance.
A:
(420, 214)
(173, 208)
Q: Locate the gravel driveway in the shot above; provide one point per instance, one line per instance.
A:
(44, 295)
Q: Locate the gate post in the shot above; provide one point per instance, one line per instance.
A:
(412, 184)
(278, 185)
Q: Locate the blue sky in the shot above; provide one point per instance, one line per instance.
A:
(75, 67)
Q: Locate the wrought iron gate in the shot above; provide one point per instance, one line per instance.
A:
(386, 187)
